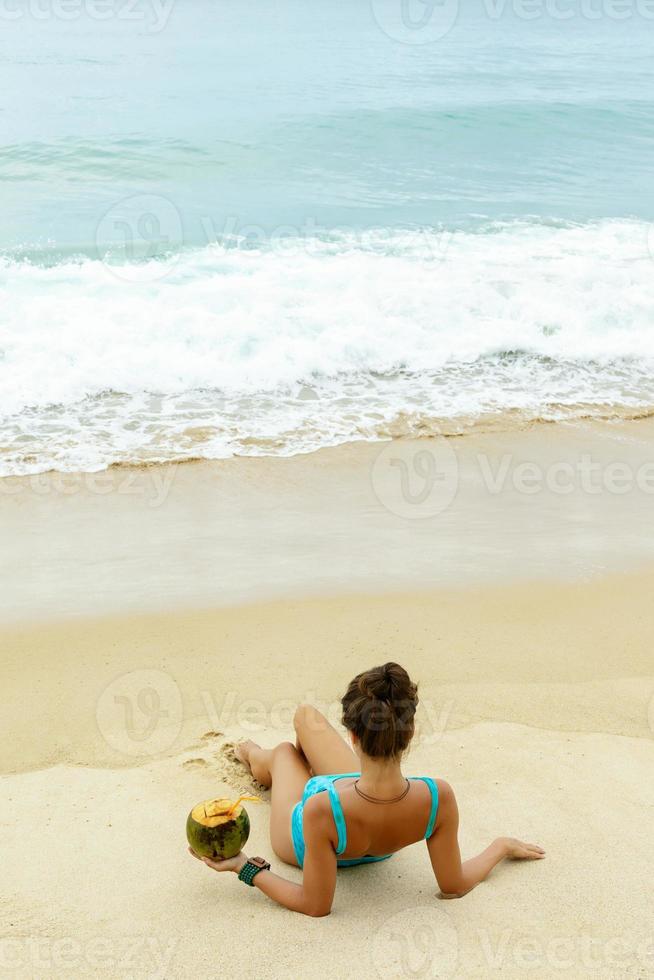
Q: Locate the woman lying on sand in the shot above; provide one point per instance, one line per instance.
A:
(325, 815)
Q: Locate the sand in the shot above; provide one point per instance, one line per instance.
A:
(107, 871)
(550, 502)
(537, 704)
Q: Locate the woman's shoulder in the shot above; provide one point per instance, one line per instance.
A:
(317, 813)
(443, 788)
(447, 805)
(441, 791)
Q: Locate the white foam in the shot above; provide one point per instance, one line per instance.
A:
(368, 326)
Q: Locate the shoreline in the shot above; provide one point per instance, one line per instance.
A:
(567, 502)
(406, 425)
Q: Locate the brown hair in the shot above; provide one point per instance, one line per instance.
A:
(379, 707)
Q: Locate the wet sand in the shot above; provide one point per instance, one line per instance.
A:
(565, 502)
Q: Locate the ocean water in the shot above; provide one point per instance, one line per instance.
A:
(244, 227)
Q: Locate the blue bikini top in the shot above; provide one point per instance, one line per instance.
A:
(320, 784)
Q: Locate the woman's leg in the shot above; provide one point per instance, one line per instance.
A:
(284, 770)
(322, 746)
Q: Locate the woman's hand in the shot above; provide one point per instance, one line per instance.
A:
(231, 864)
(519, 851)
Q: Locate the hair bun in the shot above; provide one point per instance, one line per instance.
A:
(390, 682)
(379, 706)
(374, 686)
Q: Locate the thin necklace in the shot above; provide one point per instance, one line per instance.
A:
(372, 799)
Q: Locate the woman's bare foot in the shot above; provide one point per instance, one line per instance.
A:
(242, 751)
(255, 759)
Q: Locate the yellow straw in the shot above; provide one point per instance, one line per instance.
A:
(254, 799)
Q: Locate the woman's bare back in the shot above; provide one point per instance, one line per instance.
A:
(378, 829)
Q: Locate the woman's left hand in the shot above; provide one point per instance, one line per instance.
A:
(231, 864)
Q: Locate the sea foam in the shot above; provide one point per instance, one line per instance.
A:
(291, 344)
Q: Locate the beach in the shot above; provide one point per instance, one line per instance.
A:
(536, 689)
(326, 340)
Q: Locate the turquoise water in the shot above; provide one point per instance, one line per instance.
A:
(299, 111)
(263, 227)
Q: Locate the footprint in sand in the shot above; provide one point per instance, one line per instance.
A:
(227, 761)
(195, 764)
(201, 745)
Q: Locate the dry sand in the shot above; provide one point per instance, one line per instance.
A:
(537, 705)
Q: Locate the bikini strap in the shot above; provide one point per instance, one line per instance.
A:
(433, 789)
(326, 783)
(339, 816)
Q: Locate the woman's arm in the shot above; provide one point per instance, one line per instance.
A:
(316, 893)
(314, 896)
(455, 877)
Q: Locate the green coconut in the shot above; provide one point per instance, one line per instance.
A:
(218, 829)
